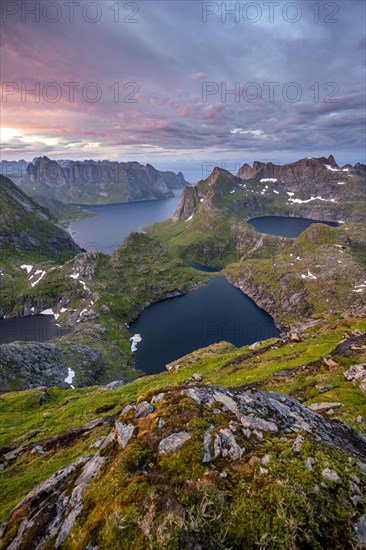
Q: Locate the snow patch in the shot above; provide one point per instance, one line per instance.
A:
(341, 182)
(43, 273)
(274, 190)
(290, 194)
(263, 180)
(135, 339)
(308, 276)
(27, 268)
(299, 201)
(70, 376)
(47, 312)
(189, 219)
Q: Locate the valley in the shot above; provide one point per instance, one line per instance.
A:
(202, 363)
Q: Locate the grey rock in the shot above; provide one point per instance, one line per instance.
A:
(98, 442)
(225, 445)
(127, 408)
(105, 309)
(296, 447)
(143, 409)
(161, 423)
(323, 389)
(157, 398)
(254, 346)
(173, 442)
(196, 378)
(355, 500)
(354, 488)
(258, 434)
(309, 463)
(324, 407)
(26, 365)
(361, 528)
(207, 439)
(331, 475)
(266, 459)
(125, 432)
(194, 394)
(356, 373)
(355, 478)
(226, 400)
(255, 423)
(115, 384)
(294, 337)
(38, 450)
(280, 413)
(52, 492)
(233, 426)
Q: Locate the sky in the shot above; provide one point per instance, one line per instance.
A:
(183, 85)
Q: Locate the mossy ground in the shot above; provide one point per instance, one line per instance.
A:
(26, 418)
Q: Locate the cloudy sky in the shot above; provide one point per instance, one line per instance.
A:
(182, 84)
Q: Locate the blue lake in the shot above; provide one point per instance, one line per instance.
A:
(175, 327)
(106, 231)
(283, 226)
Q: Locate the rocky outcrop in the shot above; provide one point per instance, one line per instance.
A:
(58, 503)
(239, 423)
(30, 364)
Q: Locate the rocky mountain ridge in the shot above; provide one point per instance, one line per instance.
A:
(26, 226)
(92, 182)
(311, 188)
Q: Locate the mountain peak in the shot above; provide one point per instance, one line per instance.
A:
(331, 160)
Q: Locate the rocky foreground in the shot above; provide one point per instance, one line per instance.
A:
(184, 467)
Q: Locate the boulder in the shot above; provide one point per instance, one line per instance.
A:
(356, 373)
(125, 432)
(173, 442)
(331, 475)
(143, 409)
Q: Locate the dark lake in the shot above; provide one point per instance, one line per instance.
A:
(284, 226)
(35, 328)
(106, 231)
(175, 327)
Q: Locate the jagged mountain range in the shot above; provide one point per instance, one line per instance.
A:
(272, 432)
(314, 188)
(91, 182)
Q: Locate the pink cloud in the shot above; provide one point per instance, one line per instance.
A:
(197, 76)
